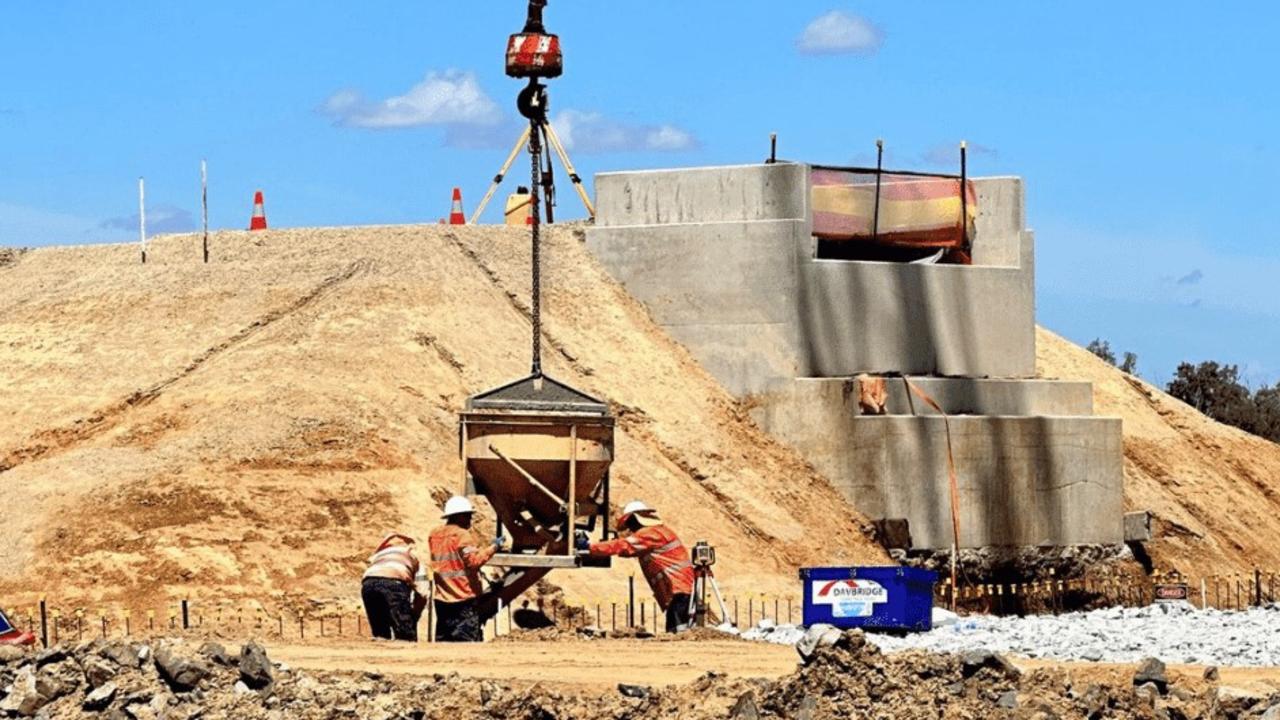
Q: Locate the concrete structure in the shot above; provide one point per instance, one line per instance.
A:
(663, 231)
(726, 261)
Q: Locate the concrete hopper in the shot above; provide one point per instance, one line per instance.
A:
(539, 451)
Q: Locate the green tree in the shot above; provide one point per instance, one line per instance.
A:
(1130, 364)
(1267, 407)
(1216, 391)
(1102, 349)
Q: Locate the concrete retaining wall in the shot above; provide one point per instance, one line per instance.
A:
(735, 193)
(724, 258)
(1023, 480)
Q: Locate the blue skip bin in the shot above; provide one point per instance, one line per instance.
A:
(874, 598)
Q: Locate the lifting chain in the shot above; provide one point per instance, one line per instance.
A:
(535, 152)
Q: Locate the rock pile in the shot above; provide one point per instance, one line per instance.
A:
(842, 676)
(845, 676)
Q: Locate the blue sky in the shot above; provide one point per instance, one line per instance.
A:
(1145, 131)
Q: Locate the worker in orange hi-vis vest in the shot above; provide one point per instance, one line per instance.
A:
(663, 559)
(393, 578)
(456, 559)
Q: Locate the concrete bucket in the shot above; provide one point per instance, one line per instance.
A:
(539, 452)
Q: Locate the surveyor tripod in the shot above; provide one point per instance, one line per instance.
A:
(703, 557)
(539, 135)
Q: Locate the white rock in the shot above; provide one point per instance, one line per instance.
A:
(1121, 635)
(943, 617)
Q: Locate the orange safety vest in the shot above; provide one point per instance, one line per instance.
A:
(456, 562)
(393, 561)
(663, 560)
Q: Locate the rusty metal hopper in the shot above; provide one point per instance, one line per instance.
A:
(539, 451)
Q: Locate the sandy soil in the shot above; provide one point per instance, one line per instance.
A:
(605, 663)
(596, 664)
(1214, 490)
(241, 433)
(245, 431)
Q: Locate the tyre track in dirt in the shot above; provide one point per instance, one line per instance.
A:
(52, 441)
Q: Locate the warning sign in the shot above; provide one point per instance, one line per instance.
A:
(1171, 592)
(848, 598)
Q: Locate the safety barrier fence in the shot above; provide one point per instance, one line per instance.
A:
(57, 622)
(1054, 594)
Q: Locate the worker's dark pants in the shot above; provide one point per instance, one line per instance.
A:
(678, 613)
(390, 612)
(458, 622)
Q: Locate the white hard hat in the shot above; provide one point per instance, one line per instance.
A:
(458, 505)
(642, 512)
(636, 506)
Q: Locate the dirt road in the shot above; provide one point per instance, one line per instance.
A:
(596, 664)
(605, 663)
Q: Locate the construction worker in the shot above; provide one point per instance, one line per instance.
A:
(456, 559)
(663, 559)
(388, 589)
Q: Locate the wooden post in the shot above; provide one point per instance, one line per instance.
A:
(44, 623)
(204, 205)
(631, 601)
(142, 219)
(431, 609)
(571, 501)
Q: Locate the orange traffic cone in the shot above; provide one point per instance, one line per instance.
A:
(259, 219)
(455, 215)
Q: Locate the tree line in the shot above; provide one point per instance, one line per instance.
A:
(1216, 390)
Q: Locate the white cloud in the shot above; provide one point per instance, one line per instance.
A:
(838, 33)
(451, 97)
(592, 132)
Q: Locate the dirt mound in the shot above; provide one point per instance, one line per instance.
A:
(245, 431)
(1214, 490)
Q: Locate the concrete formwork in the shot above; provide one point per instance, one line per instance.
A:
(725, 260)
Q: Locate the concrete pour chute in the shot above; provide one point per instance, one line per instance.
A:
(726, 261)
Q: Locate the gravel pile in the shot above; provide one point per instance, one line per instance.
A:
(1176, 633)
